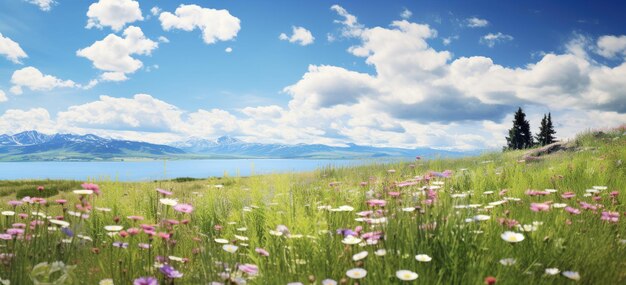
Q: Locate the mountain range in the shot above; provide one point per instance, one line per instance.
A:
(36, 146)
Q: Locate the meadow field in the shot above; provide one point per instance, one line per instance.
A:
(492, 219)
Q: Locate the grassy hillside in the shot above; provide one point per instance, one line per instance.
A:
(316, 226)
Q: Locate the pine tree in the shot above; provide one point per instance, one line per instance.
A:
(519, 135)
(546, 131)
(550, 132)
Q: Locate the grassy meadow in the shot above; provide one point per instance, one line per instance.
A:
(487, 219)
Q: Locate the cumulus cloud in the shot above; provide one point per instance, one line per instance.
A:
(299, 35)
(113, 13)
(113, 54)
(491, 39)
(475, 22)
(11, 50)
(15, 121)
(44, 5)
(612, 46)
(216, 25)
(406, 14)
(3, 96)
(228, 49)
(34, 79)
(142, 112)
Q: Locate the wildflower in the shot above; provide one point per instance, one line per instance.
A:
(164, 192)
(15, 203)
(6, 237)
(63, 224)
(120, 244)
(183, 208)
(552, 271)
(380, 252)
(329, 282)
(221, 240)
(360, 255)
(91, 186)
(539, 207)
(572, 211)
(262, 252)
(376, 202)
(512, 237)
(230, 248)
(612, 217)
(83, 192)
(406, 275)
(568, 195)
(250, 269)
(356, 273)
(490, 280)
(168, 201)
(423, 258)
(559, 205)
(571, 275)
(481, 218)
(351, 240)
(113, 228)
(170, 272)
(145, 281)
(107, 281)
(135, 218)
(508, 261)
(8, 213)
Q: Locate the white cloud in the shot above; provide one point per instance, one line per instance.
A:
(475, 22)
(448, 40)
(44, 5)
(15, 121)
(142, 112)
(351, 26)
(299, 35)
(155, 11)
(113, 54)
(406, 14)
(228, 49)
(3, 96)
(492, 39)
(612, 46)
(113, 13)
(11, 50)
(216, 25)
(33, 79)
(164, 39)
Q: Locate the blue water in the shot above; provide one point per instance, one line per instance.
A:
(153, 170)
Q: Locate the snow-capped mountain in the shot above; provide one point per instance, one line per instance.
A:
(232, 146)
(32, 145)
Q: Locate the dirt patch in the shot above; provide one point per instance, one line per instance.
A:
(538, 153)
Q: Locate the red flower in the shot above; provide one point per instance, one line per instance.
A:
(490, 280)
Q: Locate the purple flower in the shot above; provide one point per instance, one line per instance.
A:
(148, 280)
(251, 269)
(170, 272)
(91, 186)
(67, 232)
(183, 208)
(262, 251)
(120, 244)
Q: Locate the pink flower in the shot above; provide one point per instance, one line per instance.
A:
(183, 208)
(614, 194)
(135, 218)
(536, 193)
(37, 200)
(572, 211)
(568, 195)
(164, 192)
(588, 206)
(538, 207)
(91, 186)
(164, 235)
(39, 188)
(612, 217)
(6, 236)
(503, 192)
(394, 193)
(262, 252)
(251, 269)
(15, 203)
(376, 202)
(133, 231)
(363, 183)
(60, 201)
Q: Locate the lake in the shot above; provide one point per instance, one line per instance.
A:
(159, 169)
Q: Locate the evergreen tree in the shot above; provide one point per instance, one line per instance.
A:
(546, 131)
(519, 135)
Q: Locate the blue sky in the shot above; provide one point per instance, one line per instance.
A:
(445, 74)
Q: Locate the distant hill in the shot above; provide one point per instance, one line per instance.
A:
(32, 145)
(35, 146)
(232, 146)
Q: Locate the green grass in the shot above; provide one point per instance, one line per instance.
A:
(462, 252)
